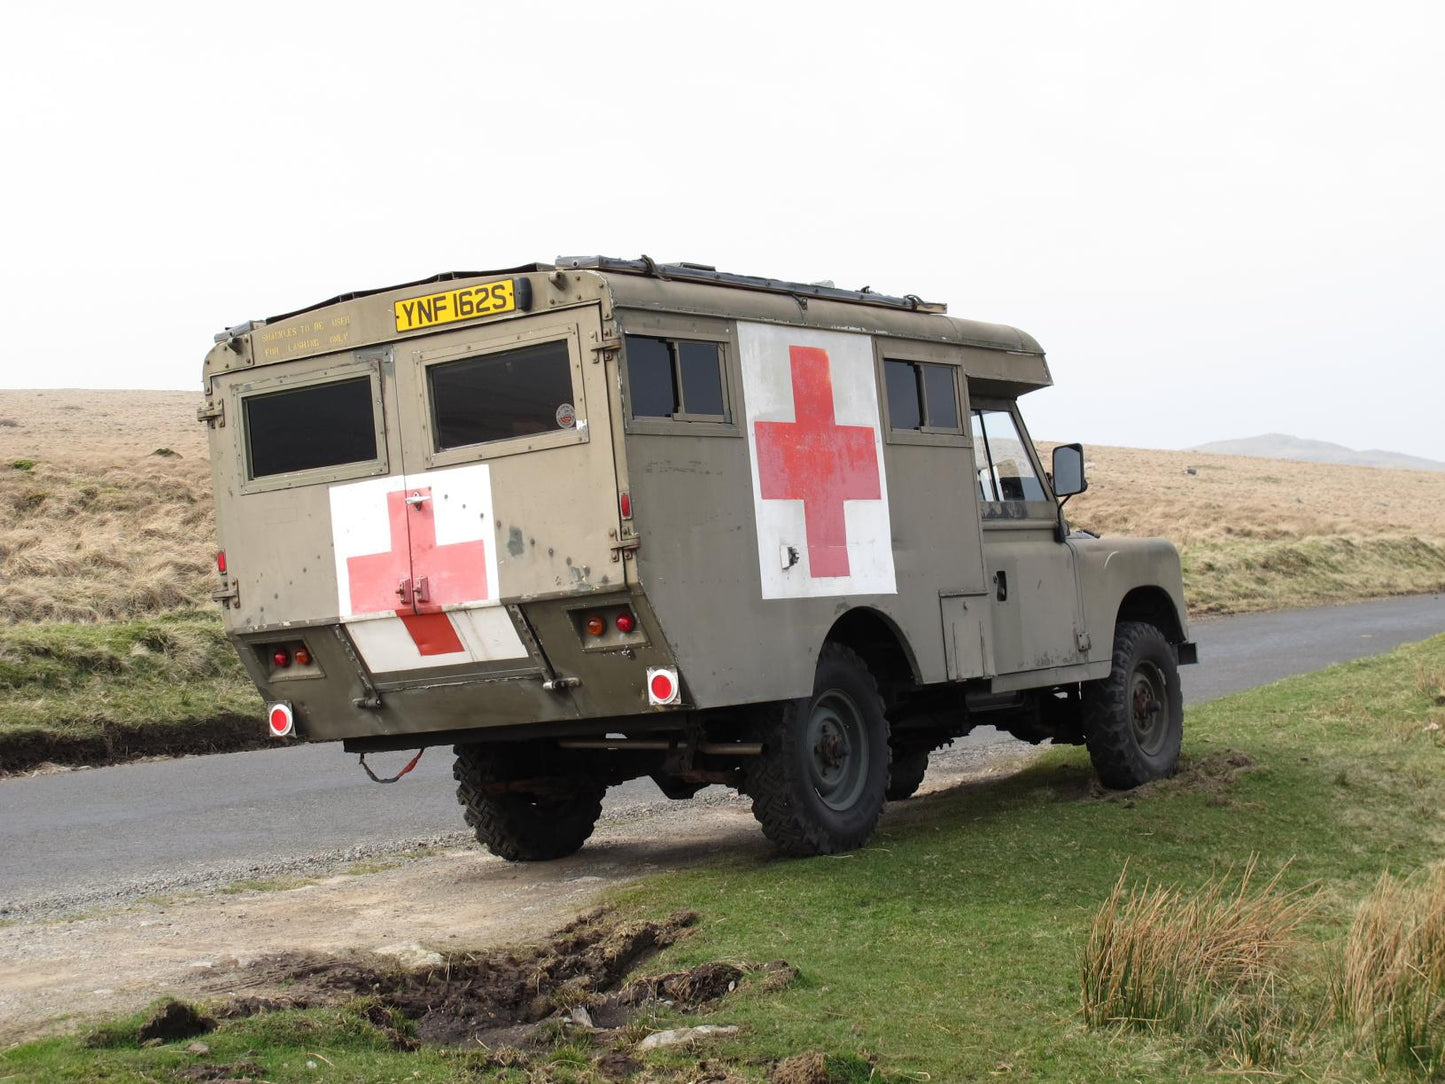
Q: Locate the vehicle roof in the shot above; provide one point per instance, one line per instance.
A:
(645, 284)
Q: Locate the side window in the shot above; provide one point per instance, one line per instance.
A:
(512, 393)
(1007, 482)
(309, 427)
(922, 396)
(680, 379)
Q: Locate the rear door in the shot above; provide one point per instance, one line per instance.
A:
(507, 491)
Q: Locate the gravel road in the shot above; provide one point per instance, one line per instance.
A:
(92, 838)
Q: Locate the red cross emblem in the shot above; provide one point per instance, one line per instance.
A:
(419, 574)
(817, 461)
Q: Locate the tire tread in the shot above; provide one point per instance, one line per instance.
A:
(1116, 757)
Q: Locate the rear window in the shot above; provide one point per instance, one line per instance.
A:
(319, 425)
(515, 393)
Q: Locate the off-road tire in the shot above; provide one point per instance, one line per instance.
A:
(824, 797)
(905, 772)
(517, 826)
(1134, 718)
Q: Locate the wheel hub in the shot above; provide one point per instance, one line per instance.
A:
(1146, 703)
(837, 751)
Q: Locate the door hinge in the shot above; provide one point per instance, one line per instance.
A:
(625, 547)
(213, 414)
(607, 349)
(1082, 638)
(228, 594)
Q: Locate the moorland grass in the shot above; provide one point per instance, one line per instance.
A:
(952, 947)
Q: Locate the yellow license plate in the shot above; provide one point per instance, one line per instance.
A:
(466, 303)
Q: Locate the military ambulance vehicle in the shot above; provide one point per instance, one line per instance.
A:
(604, 519)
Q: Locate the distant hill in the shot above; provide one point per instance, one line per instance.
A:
(1283, 446)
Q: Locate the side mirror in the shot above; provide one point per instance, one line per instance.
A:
(1069, 470)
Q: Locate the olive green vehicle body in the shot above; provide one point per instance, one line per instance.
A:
(658, 516)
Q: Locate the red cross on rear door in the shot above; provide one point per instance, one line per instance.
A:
(417, 549)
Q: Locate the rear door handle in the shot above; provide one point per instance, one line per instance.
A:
(1000, 581)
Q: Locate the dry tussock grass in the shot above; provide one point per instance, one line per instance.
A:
(1135, 491)
(100, 527)
(1390, 987)
(1209, 964)
(83, 539)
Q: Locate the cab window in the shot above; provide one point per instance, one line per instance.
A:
(1008, 485)
(681, 379)
(309, 427)
(922, 396)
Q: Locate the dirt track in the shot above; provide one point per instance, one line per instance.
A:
(62, 973)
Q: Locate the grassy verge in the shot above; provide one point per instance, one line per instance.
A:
(96, 693)
(1243, 575)
(953, 948)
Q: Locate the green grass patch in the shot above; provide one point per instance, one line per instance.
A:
(1242, 575)
(952, 945)
(92, 693)
(952, 948)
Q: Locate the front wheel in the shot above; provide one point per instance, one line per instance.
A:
(522, 826)
(1134, 718)
(818, 785)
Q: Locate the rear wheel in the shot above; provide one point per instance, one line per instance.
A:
(523, 826)
(1134, 718)
(906, 771)
(818, 785)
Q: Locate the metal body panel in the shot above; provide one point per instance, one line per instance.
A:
(1036, 622)
(1110, 568)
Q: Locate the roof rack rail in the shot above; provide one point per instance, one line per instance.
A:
(703, 273)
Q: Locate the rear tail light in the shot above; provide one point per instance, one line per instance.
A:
(281, 657)
(603, 627)
(303, 657)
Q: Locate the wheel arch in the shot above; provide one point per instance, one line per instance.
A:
(1152, 605)
(881, 644)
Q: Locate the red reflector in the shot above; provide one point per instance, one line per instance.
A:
(626, 503)
(221, 562)
(596, 625)
(281, 657)
(280, 720)
(303, 657)
(661, 687)
(626, 622)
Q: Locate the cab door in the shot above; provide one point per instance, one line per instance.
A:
(1032, 581)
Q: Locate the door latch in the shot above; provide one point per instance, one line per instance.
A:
(418, 498)
(412, 592)
(1000, 582)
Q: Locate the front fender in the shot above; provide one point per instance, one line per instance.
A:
(1140, 577)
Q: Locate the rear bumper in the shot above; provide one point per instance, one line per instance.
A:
(563, 684)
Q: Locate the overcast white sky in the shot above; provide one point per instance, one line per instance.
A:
(1219, 219)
